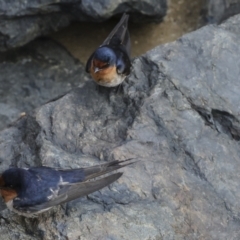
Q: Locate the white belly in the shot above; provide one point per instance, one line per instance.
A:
(25, 214)
(113, 83)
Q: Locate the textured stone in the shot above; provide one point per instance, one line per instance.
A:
(34, 74)
(219, 10)
(179, 114)
(25, 20)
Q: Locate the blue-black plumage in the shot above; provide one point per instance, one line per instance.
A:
(110, 63)
(34, 190)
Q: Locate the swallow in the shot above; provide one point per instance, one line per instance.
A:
(110, 63)
(30, 191)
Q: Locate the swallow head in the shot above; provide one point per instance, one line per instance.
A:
(9, 184)
(10, 179)
(103, 58)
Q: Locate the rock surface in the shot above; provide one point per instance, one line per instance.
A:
(219, 10)
(23, 21)
(179, 114)
(34, 74)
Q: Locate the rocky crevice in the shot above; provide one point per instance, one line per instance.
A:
(221, 121)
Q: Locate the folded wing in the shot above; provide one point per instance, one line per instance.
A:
(73, 191)
(120, 34)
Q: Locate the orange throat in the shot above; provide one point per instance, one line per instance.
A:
(7, 194)
(104, 75)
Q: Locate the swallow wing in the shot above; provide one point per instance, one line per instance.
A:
(99, 170)
(70, 192)
(120, 34)
(84, 174)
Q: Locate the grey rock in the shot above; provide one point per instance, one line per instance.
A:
(179, 114)
(23, 21)
(219, 10)
(232, 24)
(34, 74)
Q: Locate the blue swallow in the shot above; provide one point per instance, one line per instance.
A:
(110, 63)
(29, 191)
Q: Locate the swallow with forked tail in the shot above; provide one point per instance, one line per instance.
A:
(37, 189)
(110, 63)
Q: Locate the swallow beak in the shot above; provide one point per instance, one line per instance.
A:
(96, 70)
